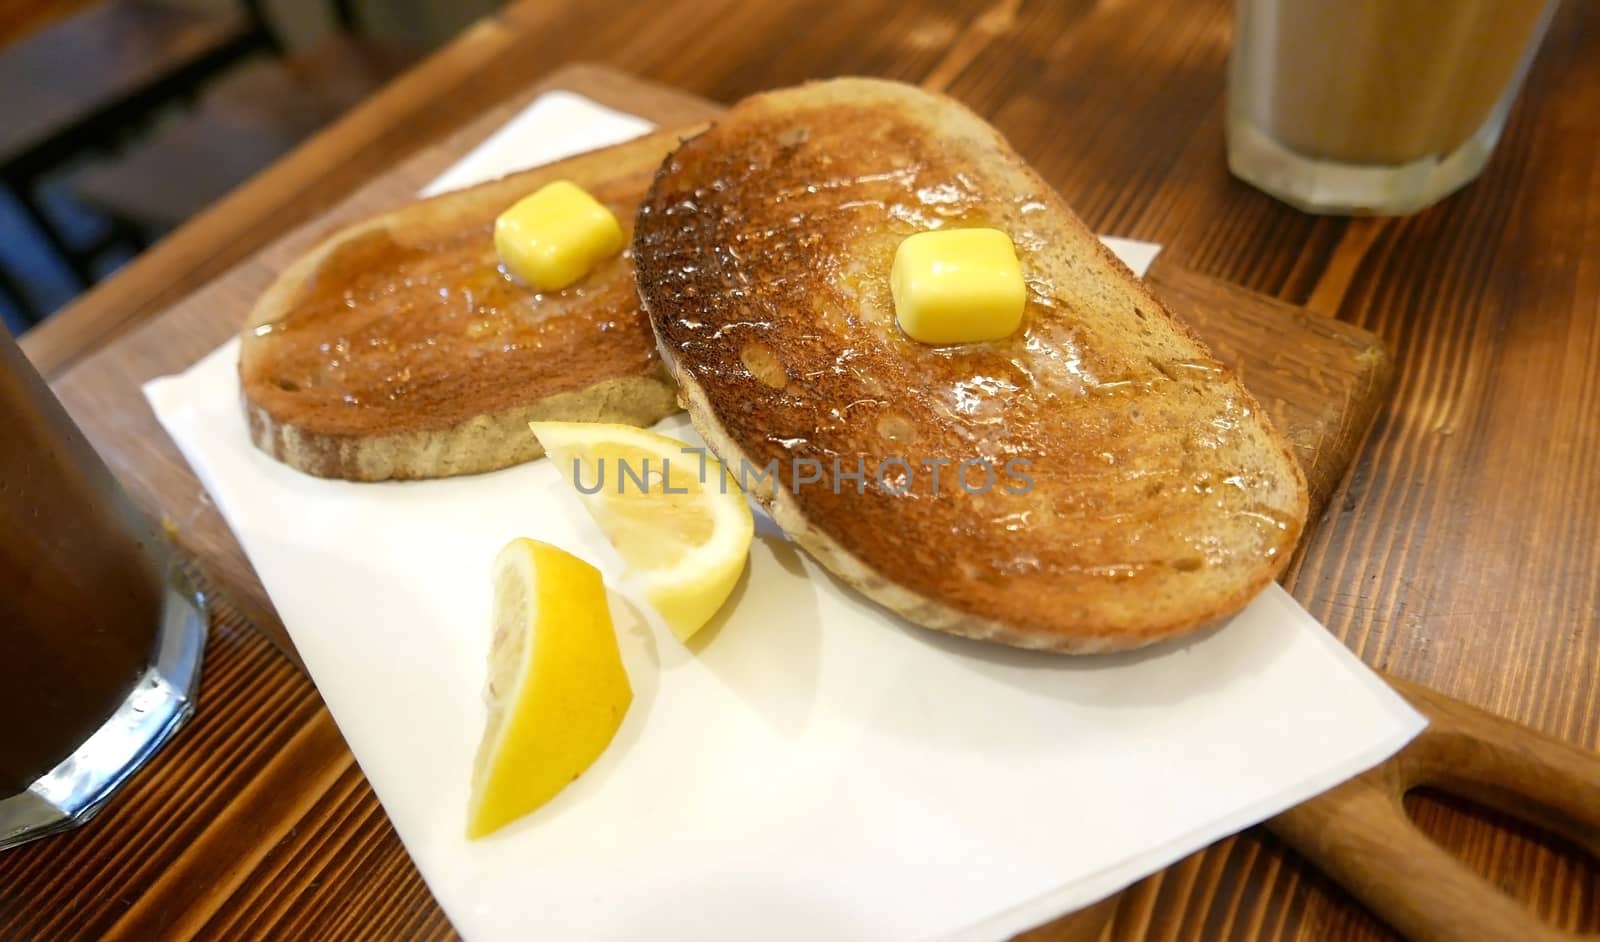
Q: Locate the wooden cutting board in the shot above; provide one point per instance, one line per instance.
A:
(1321, 379)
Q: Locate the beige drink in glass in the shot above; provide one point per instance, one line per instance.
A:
(1374, 106)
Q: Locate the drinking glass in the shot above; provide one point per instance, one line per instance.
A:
(101, 634)
(1374, 106)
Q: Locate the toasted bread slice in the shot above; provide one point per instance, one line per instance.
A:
(1146, 493)
(398, 349)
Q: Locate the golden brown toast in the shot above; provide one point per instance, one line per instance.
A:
(1161, 499)
(398, 349)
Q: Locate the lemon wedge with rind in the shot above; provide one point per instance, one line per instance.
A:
(674, 514)
(557, 691)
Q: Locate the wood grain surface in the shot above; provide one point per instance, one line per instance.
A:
(1360, 833)
(1465, 553)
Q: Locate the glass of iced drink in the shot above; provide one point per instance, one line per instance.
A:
(1374, 106)
(100, 633)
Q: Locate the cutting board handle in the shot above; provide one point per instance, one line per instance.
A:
(1361, 836)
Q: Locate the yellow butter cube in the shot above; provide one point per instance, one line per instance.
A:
(958, 286)
(556, 235)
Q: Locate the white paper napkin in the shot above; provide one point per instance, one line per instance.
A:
(556, 125)
(819, 768)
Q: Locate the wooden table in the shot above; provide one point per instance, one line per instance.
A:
(1464, 554)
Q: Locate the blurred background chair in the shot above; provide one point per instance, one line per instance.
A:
(80, 86)
(123, 118)
(243, 123)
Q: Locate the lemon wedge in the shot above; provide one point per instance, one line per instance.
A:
(677, 519)
(556, 692)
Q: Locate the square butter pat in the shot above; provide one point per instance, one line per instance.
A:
(958, 286)
(556, 235)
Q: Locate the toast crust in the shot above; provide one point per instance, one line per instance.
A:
(1161, 498)
(397, 348)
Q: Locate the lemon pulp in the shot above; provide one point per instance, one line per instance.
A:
(673, 513)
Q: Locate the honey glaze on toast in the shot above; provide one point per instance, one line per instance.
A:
(432, 330)
(1158, 498)
(401, 348)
